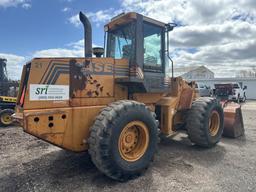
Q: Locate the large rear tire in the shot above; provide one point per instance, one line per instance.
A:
(123, 139)
(205, 122)
(5, 117)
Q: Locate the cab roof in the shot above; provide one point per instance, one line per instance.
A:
(124, 18)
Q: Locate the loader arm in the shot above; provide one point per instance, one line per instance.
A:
(170, 109)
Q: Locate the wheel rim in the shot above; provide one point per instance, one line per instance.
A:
(214, 123)
(133, 141)
(6, 119)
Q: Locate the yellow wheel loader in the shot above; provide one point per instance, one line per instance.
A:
(7, 105)
(7, 92)
(115, 106)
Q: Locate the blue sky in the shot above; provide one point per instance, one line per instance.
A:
(215, 33)
(45, 25)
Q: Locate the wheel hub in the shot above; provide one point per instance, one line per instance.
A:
(129, 139)
(6, 118)
(214, 123)
(133, 141)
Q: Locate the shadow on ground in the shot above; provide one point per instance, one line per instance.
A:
(66, 170)
(178, 166)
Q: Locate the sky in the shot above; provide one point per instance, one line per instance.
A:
(220, 34)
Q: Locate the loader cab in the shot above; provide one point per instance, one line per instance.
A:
(142, 41)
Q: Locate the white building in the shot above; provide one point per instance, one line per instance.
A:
(201, 72)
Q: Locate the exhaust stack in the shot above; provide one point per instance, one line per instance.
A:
(87, 35)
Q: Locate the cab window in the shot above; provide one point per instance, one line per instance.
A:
(121, 42)
(153, 54)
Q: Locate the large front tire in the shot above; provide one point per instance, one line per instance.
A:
(123, 139)
(205, 122)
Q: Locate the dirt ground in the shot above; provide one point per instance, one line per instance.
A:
(28, 164)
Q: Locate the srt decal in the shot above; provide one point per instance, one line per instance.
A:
(39, 92)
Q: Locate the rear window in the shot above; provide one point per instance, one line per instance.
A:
(236, 86)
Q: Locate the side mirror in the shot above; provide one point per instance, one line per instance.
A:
(170, 26)
(245, 87)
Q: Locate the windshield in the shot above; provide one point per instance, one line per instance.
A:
(121, 42)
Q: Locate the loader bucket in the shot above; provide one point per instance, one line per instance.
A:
(233, 120)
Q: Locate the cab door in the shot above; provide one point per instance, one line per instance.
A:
(154, 57)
